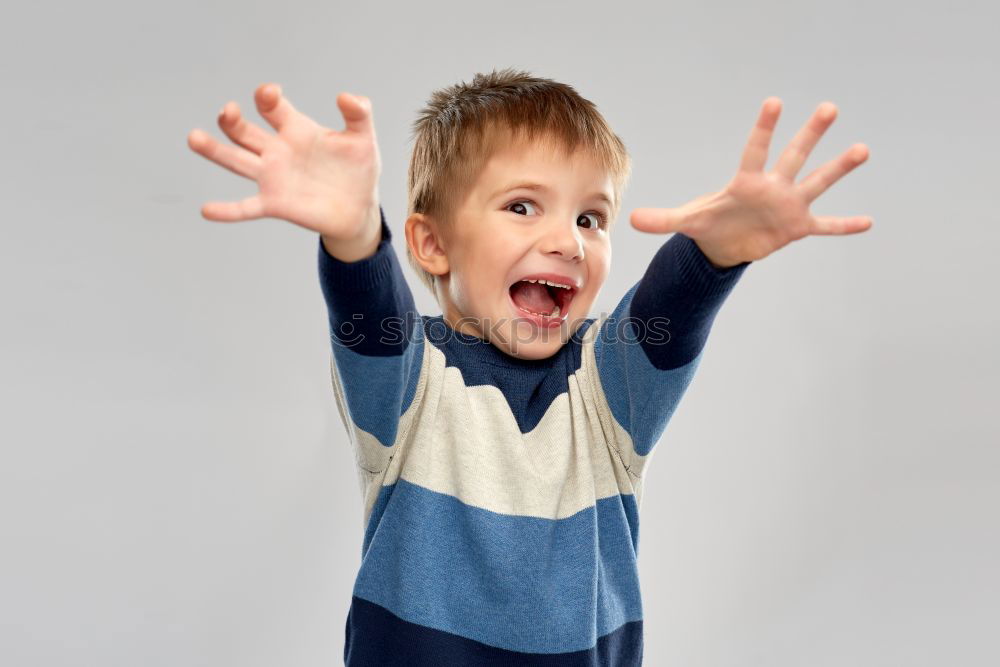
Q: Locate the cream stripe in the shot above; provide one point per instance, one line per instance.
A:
(465, 442)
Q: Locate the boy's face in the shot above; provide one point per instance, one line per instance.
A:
(502, 234)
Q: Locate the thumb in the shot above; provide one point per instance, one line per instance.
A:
(356, 110)
(656, 220)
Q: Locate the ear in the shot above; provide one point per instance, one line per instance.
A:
(425, 242)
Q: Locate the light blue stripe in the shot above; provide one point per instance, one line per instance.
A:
(380, 389)
(522, 583)
(642, 397)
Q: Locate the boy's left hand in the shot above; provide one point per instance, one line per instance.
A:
(757, 212)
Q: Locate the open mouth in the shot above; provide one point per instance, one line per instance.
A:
(541, 300)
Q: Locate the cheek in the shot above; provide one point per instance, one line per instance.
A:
(487, 266)
(475, 283)
(601, 265)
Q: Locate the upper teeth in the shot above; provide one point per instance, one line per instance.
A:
(547, 282)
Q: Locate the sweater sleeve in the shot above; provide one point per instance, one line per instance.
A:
(376, 337)
(648, 349)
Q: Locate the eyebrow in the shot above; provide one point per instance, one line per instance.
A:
(542, 188)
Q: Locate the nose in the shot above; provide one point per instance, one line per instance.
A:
(565, 240)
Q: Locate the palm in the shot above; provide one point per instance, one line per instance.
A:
(759, 212)
(764, 212)
(322, 179)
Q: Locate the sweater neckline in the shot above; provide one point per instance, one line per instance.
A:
(442, 334)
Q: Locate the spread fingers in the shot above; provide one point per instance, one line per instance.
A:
(237, 160)
(244, 133)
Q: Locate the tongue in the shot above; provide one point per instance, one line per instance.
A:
(532, 296)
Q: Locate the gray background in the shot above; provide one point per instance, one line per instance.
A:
(175, 484)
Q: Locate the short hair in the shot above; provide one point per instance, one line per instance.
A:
(463, 125)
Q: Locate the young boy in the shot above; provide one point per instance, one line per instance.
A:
(502, 445)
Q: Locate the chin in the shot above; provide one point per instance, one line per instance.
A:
(535, 351)
(527, 341)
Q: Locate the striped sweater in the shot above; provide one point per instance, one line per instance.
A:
(501, 495)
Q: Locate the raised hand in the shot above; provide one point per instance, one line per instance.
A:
(322, 179)
(759, 212)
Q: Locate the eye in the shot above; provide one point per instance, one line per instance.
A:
(520, 202)
(600, 221)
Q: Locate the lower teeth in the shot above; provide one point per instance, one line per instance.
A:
(554, 313)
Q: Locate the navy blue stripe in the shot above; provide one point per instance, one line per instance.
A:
(529, 385)
(369, 304)
(683, 292)
(375, 637)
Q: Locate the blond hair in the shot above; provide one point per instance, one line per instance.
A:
(463, 125)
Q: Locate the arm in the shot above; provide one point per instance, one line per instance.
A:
(376, 340)
(326, 181)
(716, 236)
(648, 349)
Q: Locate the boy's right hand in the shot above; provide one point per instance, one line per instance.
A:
(321, 179)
